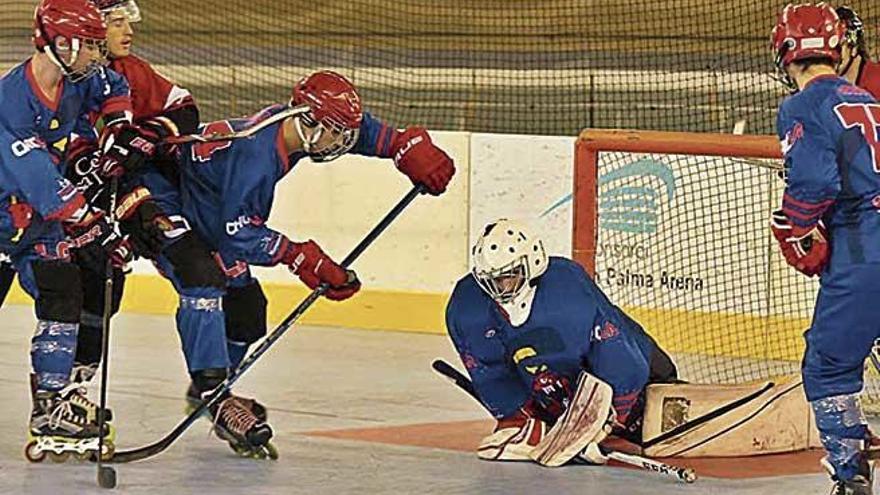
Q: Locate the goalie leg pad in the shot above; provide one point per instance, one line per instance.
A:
(513, 440)
(768, 418)
(583, 422)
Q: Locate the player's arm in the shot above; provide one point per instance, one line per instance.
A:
(518, 430)
(413, 152)
(813, 183)
(125, 147)
(159, 103)
(247, 235)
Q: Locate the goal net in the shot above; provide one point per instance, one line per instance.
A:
(675, 228)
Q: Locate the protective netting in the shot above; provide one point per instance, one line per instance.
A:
(684, 246)
(546, 67)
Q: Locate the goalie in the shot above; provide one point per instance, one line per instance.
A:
(556, 363)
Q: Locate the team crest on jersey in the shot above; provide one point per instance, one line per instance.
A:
(792, 137)
(490, 332)
(605, 332)
(469, 361)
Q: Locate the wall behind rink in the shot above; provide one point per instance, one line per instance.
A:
(410, 270)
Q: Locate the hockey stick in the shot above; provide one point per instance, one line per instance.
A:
(163, 443)
(106, 474)
(686, 475)
(244, 133)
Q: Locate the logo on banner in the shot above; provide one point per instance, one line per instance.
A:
(630, 197)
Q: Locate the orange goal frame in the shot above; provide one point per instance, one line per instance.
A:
(591, 142)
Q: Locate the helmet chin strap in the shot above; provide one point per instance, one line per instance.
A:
(307, 142)
(519, 308)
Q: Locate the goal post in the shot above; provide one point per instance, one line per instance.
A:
(675, 229)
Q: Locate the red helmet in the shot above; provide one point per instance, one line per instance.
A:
(67, 26)
(334, 106)
(807, 31)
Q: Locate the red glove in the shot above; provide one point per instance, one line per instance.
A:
(307, 261)
(21, 213)
(551, 391)
(126, 148)
(809, 253)
(421, 160)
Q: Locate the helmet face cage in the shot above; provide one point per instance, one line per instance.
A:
(342, 138)
(128, 8)
(506, 283)
(855, 29)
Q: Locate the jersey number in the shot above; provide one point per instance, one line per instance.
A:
(867, 118)
(203, 151)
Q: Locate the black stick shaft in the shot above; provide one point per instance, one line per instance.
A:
(105, 330)
(163, 443)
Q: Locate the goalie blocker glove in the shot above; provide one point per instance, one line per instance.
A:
(421, 160)
(807, 253)
(307, 261)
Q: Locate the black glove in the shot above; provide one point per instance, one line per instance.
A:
(126, 149)
(143, 222)
(95, 238)
(552, 392)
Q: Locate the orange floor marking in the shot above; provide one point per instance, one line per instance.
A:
(464, 436)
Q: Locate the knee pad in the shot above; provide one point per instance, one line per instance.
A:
(59, 287)
(7, 274)
(93, 292)
(208, 379)
(245, 309)
(193, 263)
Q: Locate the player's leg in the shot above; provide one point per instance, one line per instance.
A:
(838, 341)
(245, 308)
(59, 425)
(91, 326)
(7, 275)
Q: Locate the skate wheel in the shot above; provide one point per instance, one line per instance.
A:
(84, 456)
(267, 451)
(271, 451)
(59, 458)
(32, 453)
(109, 450)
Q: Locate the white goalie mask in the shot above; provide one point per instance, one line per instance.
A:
(507, 260)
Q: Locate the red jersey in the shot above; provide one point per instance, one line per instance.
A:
(869, 78)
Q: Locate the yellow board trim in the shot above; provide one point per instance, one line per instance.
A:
(370, 308)
(719, 334)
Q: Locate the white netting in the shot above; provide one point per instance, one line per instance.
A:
(684, 246)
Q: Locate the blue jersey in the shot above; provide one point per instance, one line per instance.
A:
(572, 327)
(34, 132)
(227, 188)
(829, 134)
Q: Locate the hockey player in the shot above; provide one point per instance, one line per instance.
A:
(226, 193)
(529, 328)
(161, 109)
(855, 62)
(829, 226)
(40, 103)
